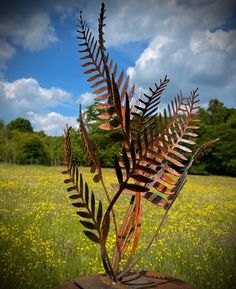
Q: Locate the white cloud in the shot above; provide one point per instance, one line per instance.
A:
(196, 52)
(64, 11)
(184, 40)
(205, 60)
(52, 123)
(86, 99)
(26, 98)
(33, 32)
(218, 40)
(183, 46)
(135, 20)
(25, 94)
(148, 62)
(7, 51)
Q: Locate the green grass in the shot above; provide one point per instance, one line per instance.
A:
(42, 244)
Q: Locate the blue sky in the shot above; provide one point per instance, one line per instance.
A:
(41, 79)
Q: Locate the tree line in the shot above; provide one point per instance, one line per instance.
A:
(19, 144)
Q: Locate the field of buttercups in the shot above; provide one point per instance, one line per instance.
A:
(42, 243)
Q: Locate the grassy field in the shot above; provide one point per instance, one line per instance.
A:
(42, 244)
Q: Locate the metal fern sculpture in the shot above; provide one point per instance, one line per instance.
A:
(153, 161)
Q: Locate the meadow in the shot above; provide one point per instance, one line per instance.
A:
(42, 244)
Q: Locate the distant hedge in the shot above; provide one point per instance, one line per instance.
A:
(20, 144)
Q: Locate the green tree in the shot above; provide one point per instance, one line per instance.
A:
(20, 124)
(217, 112)
(2, 124)
(54, 149)
(5, 145)
(33, 150)
(218, 121)
(91, 113)
(232, 120)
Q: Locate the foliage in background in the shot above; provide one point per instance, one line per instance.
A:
(20, 124)
(216, 121)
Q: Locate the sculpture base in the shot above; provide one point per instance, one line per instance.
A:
(135, 280)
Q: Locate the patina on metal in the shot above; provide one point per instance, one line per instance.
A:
(153, 162)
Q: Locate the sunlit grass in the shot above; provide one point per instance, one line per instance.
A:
(42, 244)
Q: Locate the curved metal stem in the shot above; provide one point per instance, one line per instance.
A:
(130, 266)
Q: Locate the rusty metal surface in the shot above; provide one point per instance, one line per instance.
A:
(133, 281)
(153, 149)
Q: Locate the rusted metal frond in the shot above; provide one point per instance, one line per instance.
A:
(96, 224)
(102, 74)
(154, 158)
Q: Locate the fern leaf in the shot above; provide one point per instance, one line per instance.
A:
(88, 225)
(92, 236)
(86, 201)
(150, 103)
(181, 181)
(103, 74)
